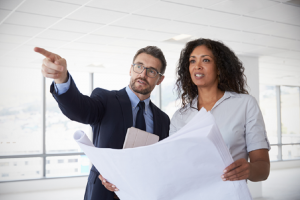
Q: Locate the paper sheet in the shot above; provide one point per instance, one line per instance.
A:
(186, 165)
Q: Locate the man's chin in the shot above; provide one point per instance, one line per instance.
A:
(143, 91)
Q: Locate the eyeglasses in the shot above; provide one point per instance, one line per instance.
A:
(150, 72)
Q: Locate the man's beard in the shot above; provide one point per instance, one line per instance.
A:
(140, 91)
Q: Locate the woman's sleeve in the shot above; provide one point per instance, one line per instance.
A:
(256, 136)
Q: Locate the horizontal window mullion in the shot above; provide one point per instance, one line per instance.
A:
(44, 178)
(284, 144)
(42, 155)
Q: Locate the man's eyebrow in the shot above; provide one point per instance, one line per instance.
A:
(147, 67)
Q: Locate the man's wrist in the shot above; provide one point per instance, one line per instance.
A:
(62, 80)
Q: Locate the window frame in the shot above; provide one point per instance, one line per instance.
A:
(44, 155)
(279, 127)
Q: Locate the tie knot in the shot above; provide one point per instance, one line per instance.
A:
(141, 105)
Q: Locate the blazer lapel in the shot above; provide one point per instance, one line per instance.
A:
(156, 120)
(126, 108)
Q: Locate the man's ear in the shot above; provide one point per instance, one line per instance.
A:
(130, 70)
(160, 80)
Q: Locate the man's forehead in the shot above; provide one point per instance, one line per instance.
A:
(148, 61)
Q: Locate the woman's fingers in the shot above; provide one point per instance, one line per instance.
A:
(238, 170)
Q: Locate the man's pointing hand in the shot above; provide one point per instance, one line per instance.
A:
(53, 66)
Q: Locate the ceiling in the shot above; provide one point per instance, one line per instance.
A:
(103, 35)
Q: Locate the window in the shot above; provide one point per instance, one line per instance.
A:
(20, 111)
(35, 142)
(21, 168)
(170, 103)
(60, 129)
(280, 106)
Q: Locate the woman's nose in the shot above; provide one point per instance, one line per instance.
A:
(199, 65)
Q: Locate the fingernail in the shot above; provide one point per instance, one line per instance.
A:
(116, 189)
(224, 179)
(104, 181)
(113, 186)
(225, 171)
(222, 176)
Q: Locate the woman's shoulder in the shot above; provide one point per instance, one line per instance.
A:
(241, 96)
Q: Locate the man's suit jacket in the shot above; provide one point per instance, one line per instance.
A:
(110, 115)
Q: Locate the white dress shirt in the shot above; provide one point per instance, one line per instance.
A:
(239, 119)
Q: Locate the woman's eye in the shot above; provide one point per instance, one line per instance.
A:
(192, 61)
(206, 60)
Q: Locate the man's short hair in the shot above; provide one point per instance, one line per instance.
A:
(155, 52)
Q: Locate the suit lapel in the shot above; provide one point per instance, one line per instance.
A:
(126, 108)
(156, 120)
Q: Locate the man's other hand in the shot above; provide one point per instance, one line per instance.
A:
(107, 184)
(53, 66)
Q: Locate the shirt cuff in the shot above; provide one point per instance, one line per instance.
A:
(62, 88)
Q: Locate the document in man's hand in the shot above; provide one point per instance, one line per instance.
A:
(138, 138)
(187, 165)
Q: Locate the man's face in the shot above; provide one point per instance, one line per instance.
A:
(141, 83)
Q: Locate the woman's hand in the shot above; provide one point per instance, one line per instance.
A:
(257, 170)
(107, 184)
(238, 170)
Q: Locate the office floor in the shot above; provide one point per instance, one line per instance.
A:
(281, 185)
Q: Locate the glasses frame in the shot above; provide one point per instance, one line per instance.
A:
(146, 70)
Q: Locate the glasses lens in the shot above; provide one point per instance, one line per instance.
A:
(151, 72)
(138, 68)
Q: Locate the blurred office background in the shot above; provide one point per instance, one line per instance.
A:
(38, 157)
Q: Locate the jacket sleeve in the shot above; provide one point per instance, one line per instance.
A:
(79, 107)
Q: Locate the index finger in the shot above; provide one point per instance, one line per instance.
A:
(231, 167)
(44, 52)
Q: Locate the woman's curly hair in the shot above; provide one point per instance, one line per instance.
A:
(231, 70)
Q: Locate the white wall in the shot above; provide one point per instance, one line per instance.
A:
(252, 73)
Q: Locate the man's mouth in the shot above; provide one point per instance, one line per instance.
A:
(142, 82)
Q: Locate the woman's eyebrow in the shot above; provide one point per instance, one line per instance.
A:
(205, 55)
(200, 56)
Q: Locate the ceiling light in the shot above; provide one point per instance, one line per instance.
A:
(181, 37)
(96, 65)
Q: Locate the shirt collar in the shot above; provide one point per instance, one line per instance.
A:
(135, 100)
(226, 95)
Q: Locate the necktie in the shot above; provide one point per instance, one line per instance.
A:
(140, 120)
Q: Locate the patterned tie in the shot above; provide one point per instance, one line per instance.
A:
(140, 120)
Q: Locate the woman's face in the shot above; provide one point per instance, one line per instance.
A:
(202, 67)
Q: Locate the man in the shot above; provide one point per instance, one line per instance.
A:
(111, 113)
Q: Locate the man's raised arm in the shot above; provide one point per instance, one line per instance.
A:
(72, 103)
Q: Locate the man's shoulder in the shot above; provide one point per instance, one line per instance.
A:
(159, 111)
(102, 91)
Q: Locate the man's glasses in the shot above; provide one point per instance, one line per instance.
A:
(150, 72)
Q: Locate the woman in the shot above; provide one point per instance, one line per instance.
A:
(210, 76)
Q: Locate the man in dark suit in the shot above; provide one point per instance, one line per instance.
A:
(111, 113)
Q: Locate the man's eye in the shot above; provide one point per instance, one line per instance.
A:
(139, 66)
(151, 71)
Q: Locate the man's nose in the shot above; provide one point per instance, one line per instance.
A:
(144, 73)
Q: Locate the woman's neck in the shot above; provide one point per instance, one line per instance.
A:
(207, 97)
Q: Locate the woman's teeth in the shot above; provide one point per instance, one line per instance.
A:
(199, 75)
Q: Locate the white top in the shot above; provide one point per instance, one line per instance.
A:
(239, 119)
